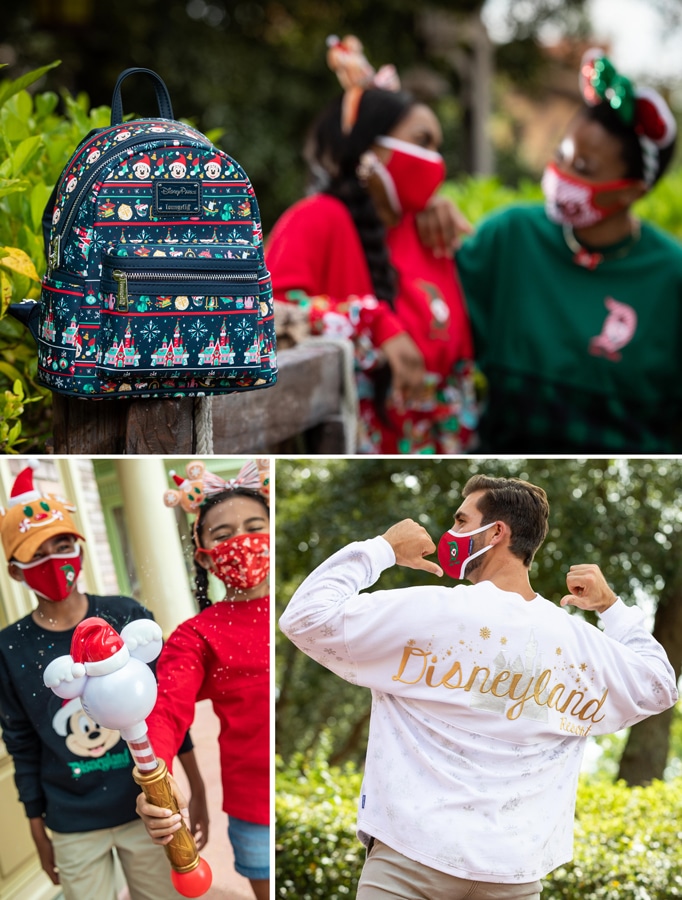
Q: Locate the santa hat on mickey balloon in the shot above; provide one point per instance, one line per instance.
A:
(32, 517)
(97, 649)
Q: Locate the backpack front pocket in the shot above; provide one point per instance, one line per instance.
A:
(181, 316)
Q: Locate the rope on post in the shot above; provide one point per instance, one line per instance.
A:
(203, 426)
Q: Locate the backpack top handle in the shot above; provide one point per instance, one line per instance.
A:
(162, 95)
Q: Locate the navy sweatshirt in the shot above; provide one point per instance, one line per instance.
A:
(68, 769)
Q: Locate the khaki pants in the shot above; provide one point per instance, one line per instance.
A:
(86, 864)
(388, 874)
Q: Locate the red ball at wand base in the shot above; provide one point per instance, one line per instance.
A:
(194, 883)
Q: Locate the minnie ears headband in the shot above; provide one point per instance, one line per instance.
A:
(200, 485)
(346, 58)
(643, 109)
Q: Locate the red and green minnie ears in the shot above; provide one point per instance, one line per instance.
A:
(641, 108)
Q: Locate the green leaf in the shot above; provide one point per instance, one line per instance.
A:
(38, 200)
(46, 103)
(10, 88)
(25, 154)
(15, 377)
(12, 186)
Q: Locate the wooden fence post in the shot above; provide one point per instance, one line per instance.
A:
(306, 404)
(89, 427)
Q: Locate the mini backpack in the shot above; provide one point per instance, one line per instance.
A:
(156, 284)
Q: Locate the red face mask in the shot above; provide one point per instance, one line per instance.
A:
(455, 550)
(572, 201)
(414, 174)
(241, 562)
(53, 577)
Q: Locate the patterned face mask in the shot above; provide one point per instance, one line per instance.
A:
(572, 201)
(454, 550)
(54, 576)
(241, 562)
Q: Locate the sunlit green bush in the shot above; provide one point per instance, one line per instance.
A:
(317, 852)
(36, 142)
(628, 841)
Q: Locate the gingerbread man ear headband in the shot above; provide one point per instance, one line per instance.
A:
(642, 109)
(346, 58)
(200, 485)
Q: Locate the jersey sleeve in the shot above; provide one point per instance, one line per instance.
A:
(477, 270)
(316, 617)
(641, 682)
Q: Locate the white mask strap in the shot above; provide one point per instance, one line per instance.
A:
(473, 556)
(29, 565)
(408, 147)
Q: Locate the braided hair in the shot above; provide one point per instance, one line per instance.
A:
(200, 573)
(333, 158)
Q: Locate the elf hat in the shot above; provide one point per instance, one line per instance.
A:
(98, 648)
(32, 517)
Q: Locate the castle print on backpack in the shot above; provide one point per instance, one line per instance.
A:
(156, 284)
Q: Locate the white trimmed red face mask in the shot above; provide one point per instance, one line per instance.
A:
(240, 562)
(54, 576)
(455, 550)
(570, 200)
(411, 175)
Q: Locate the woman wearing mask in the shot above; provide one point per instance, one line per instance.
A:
(350, 257)
(576, 308)
(223, 654)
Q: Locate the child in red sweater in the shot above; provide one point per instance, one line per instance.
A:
(223, 654)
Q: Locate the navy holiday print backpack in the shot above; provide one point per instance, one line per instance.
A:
(156, 283)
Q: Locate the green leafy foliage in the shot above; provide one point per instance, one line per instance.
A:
(627, 844)
(627, 840)
(317, 852)
(35, 143)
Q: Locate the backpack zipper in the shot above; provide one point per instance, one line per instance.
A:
(122, 278)
(54, 255)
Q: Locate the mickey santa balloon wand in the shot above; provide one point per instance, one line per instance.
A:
(108, 672)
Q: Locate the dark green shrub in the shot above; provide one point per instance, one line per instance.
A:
(317, 852)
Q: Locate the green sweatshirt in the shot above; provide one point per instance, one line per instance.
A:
(576, 359)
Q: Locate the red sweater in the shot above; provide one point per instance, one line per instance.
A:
(222, 654)
(315, 258)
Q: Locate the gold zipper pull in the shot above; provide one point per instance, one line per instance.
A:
(122, 291)
(53, 255)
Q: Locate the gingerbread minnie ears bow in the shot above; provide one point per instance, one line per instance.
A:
(200, 484)
(346, 58)
(641, 108)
